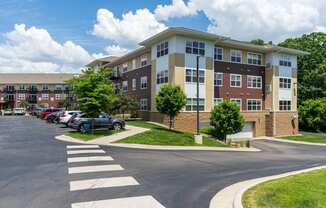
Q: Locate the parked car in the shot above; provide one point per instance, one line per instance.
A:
(54, 117)
(66, 117)
(7, 112)
(44, 113)
(74, 118)
(36, 112)
(19, 111)
(84, 123)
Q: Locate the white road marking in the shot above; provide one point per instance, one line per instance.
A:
(102, 183)
(73, 152)
(82, 146)
(89, 159)
(94, 168)
(129, 202)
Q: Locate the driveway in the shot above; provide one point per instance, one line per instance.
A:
(34, 170)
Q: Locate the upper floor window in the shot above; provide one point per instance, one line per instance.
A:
(191, 75)
(134, 83)
(192, 104)
(236, 56)
(218, 54)
(285, 61)
(125, 86)
(58, 96)
(235, 80)
(236, 101)
(162, 77)
(195, 47)
(58, 87)
(10, 88)
(143, 83)
(254, 82)
(162, 49)
(285, 105)
(21, 87)
(254, 105)
(45, 87)
(218, 79)
(21, 96)
(143, 60)
(254, 59)
(285, 83)
(124, 67)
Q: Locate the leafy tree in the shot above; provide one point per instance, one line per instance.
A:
(312, 68)
(258, 41)
(226, 119)
(126, 104)
(170, 100)
(312, 115)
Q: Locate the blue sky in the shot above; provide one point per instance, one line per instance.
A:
(63, 35)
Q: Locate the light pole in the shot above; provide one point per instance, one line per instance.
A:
(198, 137)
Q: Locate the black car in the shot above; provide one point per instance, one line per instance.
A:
(54, 117)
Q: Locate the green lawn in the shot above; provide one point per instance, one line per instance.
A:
(90, 136)
(307, 190)
(306, 138)
(161, 136)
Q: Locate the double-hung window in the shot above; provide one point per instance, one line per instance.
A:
(125, 86)
(254, 58)
(285, 83)
(45, 96)
(254, 82)
(21, 96)
(162, 49)
(235, 80)
(124, 67)
(237, 101)
(218, 54)
(254, 105)
(236, 56)
(192, 104)
(45, 87)
(195, 47)
(285, 61)
(218, 79)
(143, 82)
(143, 104)
(191, 76)
(218, 101)
(162, 77)
(143, 60)
(134, 84)
(58, 97)
(285, 105)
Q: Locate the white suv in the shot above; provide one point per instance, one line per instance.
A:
(66, 116)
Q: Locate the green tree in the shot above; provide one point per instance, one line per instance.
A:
(312, 115)
(311, 68)
(258, 42)
(226, 119)
(170, 100)
(126, 104)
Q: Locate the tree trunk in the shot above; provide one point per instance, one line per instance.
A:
(170, 122)
(224, 138)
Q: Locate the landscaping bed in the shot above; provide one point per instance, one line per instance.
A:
(306, 190)
(162, 136)
(89, 136)
(306, 138)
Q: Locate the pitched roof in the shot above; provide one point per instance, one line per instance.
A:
(35, 78)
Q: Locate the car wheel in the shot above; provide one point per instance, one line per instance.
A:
(117, 126)
(83, 129)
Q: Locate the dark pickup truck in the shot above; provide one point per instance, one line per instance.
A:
(85, 124)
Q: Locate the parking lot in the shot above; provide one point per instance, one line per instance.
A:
(35, 172)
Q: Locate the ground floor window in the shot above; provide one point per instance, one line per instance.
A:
(45, 96)
(285, 105)
(192, 104)
(236, 101)
(21, 96)
(58, 97)
(144, 104)
(254, 105)
(218, 101)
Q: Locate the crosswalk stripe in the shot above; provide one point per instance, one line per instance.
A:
(128, 202)
(82, 146)
(89, 159)
(102, 183)
(73, 152)
(94, 168)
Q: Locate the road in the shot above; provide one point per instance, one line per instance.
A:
(34, 170)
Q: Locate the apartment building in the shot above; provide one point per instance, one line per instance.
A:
(36, 90)
(262, 80)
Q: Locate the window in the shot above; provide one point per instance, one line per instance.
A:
(237, 101)
(58, 87)
(192, 104)
(236, 56)
(162, 77)
(254, 105)
(218, 79)
(58, 97)
(218, 101)
(285, 83)
(254, 58)
(285, 105)
(143, 83)
(218, 54)
(45, 96)
(21, 87)
(125, 86)
(134, 84)
(21, 96)
(124, 67)
(191, 75)
(144, 104)
(285, 61)
(195, 47)
(143, 60)
(254, 82)
(235, 80)
(162, 49)
(45, 87)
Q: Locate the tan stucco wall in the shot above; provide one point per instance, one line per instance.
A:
(153, 86)
(209, 84)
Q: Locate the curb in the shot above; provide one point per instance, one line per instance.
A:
(290, 141)
(231, 196)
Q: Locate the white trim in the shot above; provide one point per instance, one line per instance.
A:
(222, 79)
(234, 99)
(261, 82)
(261, 105)
(241, 61)
(254, 53)
(141, 82)
(221, 100)
(217, 47)
(240, 80)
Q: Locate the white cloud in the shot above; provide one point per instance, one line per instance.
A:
(34, 50)
(178, 8)
(116, 50)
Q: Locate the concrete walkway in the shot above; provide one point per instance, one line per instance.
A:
(231, 196)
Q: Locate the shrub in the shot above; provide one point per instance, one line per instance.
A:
(312, 115)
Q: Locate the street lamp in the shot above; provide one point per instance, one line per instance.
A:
(198, 137)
